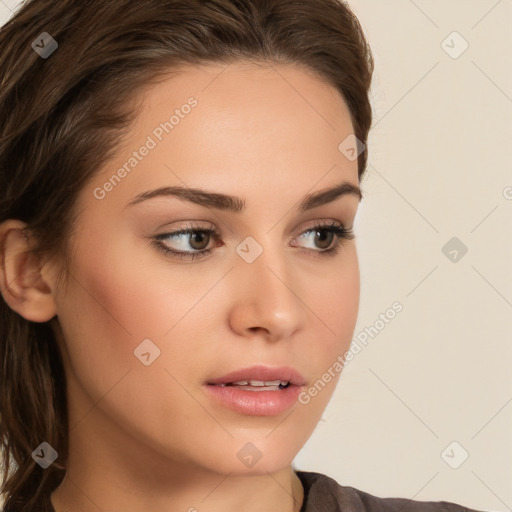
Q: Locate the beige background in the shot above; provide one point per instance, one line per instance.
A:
(440, 371)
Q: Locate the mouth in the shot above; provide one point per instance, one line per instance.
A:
(259, 390)
(257, 377)
(259, 385)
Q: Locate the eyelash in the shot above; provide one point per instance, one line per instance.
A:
(339, 231)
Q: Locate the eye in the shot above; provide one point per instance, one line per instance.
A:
(191, 236)
(323, 236)
(198, 238)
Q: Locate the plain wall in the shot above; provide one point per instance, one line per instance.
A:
(439, 167)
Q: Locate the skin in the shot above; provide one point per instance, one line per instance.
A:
(148, 437)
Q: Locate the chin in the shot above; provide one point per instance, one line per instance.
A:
(244, 458)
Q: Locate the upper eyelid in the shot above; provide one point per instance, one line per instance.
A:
(188, 227)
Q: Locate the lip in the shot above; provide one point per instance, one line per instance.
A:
(261, 372)
(256, 403)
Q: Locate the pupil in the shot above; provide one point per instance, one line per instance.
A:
(195, 237)
(328, 234)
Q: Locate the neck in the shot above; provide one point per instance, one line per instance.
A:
(109, 470)
(199, 492)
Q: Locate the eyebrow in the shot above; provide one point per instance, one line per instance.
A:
(237, 205)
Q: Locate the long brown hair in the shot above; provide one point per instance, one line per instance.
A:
(62, 116)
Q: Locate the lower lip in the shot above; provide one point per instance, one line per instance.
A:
(255, 403)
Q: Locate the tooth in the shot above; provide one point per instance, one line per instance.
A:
(272, 382)
(259, 383)
(261, 388)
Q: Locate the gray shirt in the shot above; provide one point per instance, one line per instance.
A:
(323, 494)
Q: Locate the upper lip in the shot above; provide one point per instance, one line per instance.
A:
(263, 373)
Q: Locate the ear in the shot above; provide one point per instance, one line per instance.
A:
(22, 284)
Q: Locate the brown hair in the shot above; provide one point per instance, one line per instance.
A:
(62, 117)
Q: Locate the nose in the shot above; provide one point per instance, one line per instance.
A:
(268, 298)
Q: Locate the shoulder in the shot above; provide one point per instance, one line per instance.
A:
(324, 494)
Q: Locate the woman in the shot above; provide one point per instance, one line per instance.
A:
(178, 269)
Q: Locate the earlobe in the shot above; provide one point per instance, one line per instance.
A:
(22, 285)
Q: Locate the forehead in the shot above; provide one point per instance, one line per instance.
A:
(245, 89)
(245, 126)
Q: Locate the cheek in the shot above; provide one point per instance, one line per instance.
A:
(335, 307)
(335, 300)
(109, 307)
(126, 293)
(107, 311)
(120, 295)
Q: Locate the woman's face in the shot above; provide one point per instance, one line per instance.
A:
(146, 333)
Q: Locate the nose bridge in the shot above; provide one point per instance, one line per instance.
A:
(265, 297)
(266, 266)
